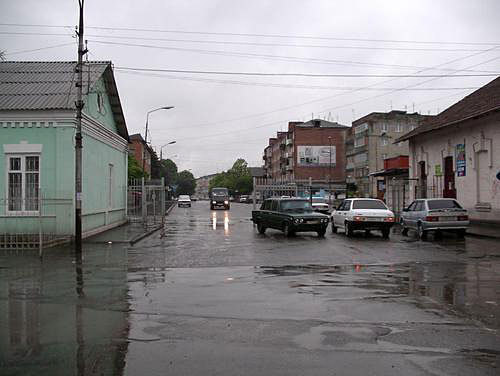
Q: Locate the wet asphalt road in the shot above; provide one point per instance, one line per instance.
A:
(210, 296)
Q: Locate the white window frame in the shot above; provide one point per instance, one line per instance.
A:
(399, 128)
(23, 172)
(384, 141)
(385, 127)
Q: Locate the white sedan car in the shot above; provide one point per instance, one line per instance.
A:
(364, 214)
(184, 201)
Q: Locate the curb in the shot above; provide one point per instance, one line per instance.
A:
(480, 235)
(143, 235)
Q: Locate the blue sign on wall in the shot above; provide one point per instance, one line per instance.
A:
(460, 158)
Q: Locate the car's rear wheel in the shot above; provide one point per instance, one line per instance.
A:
(349, 231)
(261, 228)
(322, 232)
(385, 233)
(461, 233)
(422, 234)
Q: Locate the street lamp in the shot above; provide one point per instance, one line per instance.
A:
(146, 134)
(161, 148)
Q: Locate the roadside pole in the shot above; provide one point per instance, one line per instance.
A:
(254, 204)
(78, 137)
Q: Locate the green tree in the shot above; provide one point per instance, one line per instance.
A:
(186, 183)
(134, 170)
(155, 166)
(2, 55)
(169, 171)
(237, 179)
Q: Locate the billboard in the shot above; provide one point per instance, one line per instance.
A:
(315, 156)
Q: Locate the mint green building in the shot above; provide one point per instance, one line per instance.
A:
(37, 154)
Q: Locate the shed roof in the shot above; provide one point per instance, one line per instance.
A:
(483, 100)
(50, 85)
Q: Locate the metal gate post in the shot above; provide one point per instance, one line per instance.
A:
(254, 205)
(143, 203)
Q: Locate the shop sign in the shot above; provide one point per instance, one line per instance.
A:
(460, 159)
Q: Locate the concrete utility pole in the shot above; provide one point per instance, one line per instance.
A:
(330, 175)
(78, 136)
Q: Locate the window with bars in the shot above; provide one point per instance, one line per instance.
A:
(23, 179)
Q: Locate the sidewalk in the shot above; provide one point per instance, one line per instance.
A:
(130, 232)
(484, 229)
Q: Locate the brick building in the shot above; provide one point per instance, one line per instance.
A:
(311, 150)
(371, 141)
(139, 149)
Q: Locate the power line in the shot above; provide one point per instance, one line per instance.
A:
(288, 86)
(38, 49)
(348, 104)
(343, 75)
(260, 35)
(260, 44)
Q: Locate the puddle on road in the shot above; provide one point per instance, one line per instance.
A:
(463, 289)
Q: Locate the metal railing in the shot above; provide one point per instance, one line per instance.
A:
(35, 222)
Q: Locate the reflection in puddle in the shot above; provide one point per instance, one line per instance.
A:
(464, 287)
(225, 222)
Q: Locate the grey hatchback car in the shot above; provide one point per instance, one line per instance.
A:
(434, 214)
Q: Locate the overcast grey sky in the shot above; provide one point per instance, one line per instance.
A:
(220, 118)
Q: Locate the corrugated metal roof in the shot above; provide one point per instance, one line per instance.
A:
(480, 102)
(43, 85)
(50, 85)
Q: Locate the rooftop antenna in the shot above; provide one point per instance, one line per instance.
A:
(391, 105)
(413, 104)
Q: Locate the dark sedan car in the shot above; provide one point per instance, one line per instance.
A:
(289, 215)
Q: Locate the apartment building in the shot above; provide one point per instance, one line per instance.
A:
(308, 150)
(371, 141)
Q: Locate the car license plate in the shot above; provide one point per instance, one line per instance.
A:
(374, 219)
(447, 219)
(314, 222)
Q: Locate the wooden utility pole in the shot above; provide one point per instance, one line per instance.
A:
(78, 136)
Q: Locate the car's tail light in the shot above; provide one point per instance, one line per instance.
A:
(463, 217)
(359, 218)
(430, 218)
(389, 219)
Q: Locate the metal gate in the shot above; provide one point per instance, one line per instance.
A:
(146, 202)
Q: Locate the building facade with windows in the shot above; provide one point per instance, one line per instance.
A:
(456, 154)
(314, 150)
(37, 153)
(371, 141)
